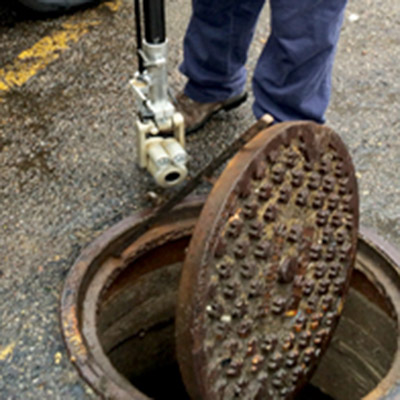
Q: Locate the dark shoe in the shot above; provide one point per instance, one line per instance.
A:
(197, 114)
(56, 6)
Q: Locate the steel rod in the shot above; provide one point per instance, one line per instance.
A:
(138, 22)
(205, 173)
(154, 17)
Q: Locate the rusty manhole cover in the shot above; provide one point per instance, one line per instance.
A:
(119, 301)
(266, 273)
(125, 348)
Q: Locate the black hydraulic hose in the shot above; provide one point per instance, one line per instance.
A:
(154, 18)
(138, 21)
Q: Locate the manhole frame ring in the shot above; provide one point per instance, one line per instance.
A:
(109, 383)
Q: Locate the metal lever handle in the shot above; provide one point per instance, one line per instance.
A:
(154, 19)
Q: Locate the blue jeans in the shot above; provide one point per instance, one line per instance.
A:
(292, 79)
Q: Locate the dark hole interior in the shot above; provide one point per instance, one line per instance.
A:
(172, 177)
(139, 339)
(169, 377)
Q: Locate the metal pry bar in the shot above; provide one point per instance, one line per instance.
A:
(173, 199)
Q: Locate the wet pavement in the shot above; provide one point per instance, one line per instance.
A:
(67, 155)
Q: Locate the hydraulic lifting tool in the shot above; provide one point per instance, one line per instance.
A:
(159, 127)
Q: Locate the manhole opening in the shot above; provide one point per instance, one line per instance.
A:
(135, 326)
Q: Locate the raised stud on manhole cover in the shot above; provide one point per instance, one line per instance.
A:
(268, 266)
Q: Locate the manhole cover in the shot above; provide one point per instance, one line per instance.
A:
(124, 353)
(266, 273)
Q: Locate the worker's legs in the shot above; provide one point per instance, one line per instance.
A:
(293, 75)
(215, 47)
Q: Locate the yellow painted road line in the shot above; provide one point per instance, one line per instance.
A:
(113, 5)
(48, 49)
(6, 351)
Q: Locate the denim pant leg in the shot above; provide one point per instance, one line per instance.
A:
(216, 46)
(292, 79)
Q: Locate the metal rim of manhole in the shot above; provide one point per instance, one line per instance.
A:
(377, 264)
(264, 280)
(96, 269)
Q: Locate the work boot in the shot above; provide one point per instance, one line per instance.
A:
(56, 6)
(197, 114)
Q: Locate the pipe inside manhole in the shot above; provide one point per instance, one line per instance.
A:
(118, 317)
